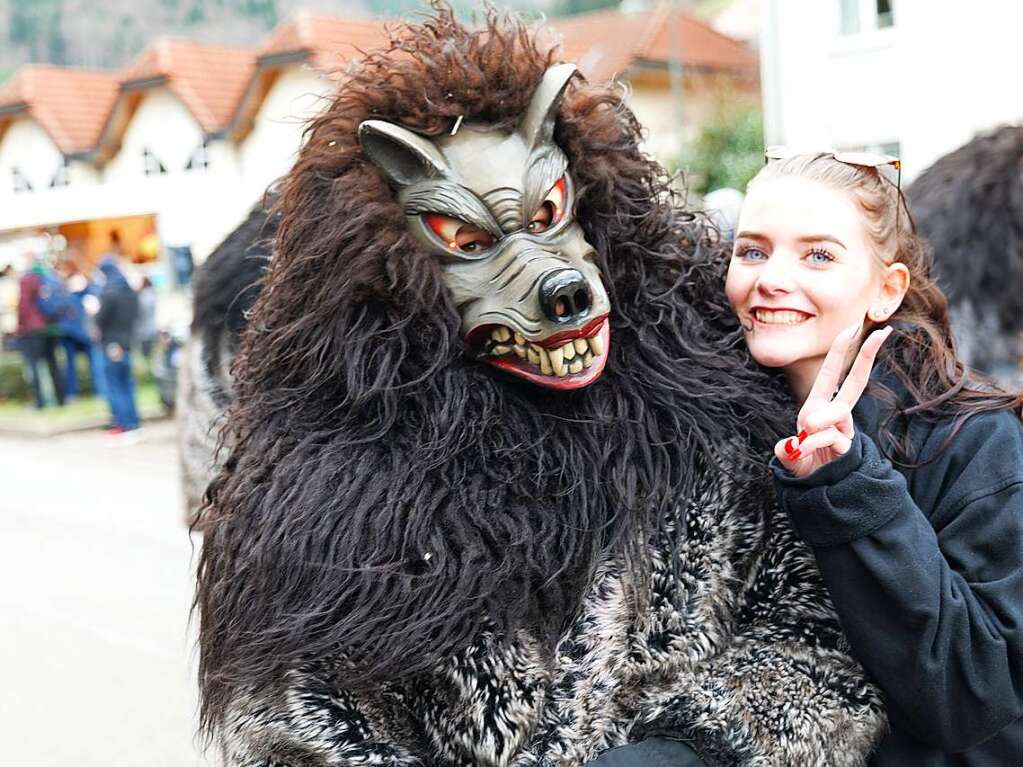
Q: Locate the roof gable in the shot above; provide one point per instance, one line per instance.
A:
(327, 42)
(70, 104)
(209, 79)
(609, 42)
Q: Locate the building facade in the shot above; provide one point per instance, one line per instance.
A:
(915, 78)
(175, 148)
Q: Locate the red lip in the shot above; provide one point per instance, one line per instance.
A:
(585, 331)
(584, 377)
(781, 309)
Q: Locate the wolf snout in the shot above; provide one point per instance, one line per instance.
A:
(565, 296)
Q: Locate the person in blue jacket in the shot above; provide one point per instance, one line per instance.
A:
(906, 480)
(116, 320)
(74, 331)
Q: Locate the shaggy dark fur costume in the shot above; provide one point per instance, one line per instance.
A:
(412, 559)
(225, 287)
(969, 207)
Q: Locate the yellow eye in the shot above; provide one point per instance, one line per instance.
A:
(551, 210)
(459, 235)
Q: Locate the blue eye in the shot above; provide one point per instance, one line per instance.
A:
(751, 254)
(820, 257)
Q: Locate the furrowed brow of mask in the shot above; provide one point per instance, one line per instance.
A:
(450, 199)
(546, 166)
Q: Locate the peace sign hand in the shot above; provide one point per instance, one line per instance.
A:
(825, 424)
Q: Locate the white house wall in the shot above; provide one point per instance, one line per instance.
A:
(942, 73)
(270, 149)
(27, 147)
(187, 202)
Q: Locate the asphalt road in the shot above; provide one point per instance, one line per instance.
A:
(97, 659)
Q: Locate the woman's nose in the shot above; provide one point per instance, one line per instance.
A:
(775, 276)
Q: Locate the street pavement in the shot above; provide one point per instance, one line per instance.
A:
(97, 656)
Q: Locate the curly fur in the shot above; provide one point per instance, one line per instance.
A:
(387, 497)
(969, 206)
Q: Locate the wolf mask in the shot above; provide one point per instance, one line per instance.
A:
(496, 210)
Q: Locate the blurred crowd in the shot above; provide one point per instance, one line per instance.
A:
(65, 313)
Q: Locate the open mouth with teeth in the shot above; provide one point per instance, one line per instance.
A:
(780, 316)
(566, 360)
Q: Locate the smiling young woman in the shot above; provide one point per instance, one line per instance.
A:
(907, 480)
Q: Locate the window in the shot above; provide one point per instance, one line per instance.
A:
(200, 159)
(21, 184)
(60, 176)
(856, 16)
(894, 148)
(885, 17)
(849, 17)
(151, 164)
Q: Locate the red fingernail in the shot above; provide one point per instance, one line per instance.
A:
(802, 436)
(795, 455)
(789, 447)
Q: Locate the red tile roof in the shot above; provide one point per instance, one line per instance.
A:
(609, 42)
(209, 79)
(70, 104)
(700, 44)
(75, 105)
(329, 41)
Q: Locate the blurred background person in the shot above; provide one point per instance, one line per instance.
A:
(722, 207)
(75, 337)
(38, 334)
(146, 332)
(116, 321)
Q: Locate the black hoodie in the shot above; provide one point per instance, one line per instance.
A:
(925, 567)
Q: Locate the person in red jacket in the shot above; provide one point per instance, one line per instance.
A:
(37, 335)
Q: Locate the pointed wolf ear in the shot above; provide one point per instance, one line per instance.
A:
(537, 125)
(404, 157)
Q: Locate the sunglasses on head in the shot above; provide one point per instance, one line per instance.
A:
(887, 166)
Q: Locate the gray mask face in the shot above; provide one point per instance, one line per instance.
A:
(497, 211)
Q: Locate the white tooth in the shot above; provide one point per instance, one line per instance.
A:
(494, 334)
(502, 334)
(568, 350)
(520, 339)
(520, 351)
(580, 345)
(576, 366)
(545, 363)
(587, 360)
(597, 344)
(499, 350)
(533, 354)
(557, 361)
(772, 317)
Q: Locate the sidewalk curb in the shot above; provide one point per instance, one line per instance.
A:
(42, 431)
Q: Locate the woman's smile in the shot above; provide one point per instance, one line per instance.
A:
(767, 316)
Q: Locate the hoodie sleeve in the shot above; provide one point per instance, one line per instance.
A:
(930, 598)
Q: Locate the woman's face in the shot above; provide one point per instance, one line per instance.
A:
(802, 270)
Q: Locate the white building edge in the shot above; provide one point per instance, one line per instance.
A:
(915, 78)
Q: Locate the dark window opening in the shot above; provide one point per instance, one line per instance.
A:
(885, 16)
(151, 164)
(21, 183)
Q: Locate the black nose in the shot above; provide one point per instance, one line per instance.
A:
(565, 296)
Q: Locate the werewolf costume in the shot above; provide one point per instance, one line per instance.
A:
(494, 489)
(969, 207)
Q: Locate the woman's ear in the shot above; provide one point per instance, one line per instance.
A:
(893, 290)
